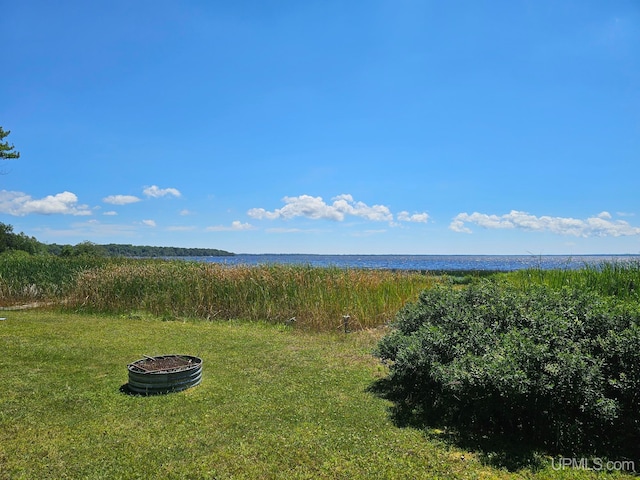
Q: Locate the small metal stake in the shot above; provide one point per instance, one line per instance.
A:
(345, 323)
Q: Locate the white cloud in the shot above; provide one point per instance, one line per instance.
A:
(185, 212)
(602, 225)
(235, 226)
(156, 192)
(416, 217)
(315, 208)
(20, 204)
(110, 213)
(153, 191)
(376, 213)
(149, 223)
(120, 199)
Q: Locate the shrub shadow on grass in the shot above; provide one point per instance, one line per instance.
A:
(508, 450)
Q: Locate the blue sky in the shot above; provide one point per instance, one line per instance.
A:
(408, 127)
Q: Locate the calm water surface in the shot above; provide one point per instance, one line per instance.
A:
(427, 262)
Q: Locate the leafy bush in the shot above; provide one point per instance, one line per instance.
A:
(556, 368)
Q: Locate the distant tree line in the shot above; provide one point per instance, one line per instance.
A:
(134, 251)
(18, 241)
(10, 241)
(126, 250)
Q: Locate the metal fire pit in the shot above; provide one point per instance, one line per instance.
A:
(164, 374)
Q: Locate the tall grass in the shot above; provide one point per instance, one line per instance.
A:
(618, 279)
(32, 278)
(318, 298)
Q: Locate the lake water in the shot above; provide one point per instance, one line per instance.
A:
(427, 262)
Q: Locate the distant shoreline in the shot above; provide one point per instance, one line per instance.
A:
(432, 263)
(145, 251)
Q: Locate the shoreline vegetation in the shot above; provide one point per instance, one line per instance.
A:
(317, 297)
(529, 363)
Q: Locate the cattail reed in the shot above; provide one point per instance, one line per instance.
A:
(620, 279)
(317, 297)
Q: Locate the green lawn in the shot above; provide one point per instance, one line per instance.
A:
(274, 403)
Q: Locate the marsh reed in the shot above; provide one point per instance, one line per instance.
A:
(317, 297)
(617, 279)
(28, 278)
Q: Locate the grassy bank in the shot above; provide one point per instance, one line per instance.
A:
(617, 279)
(274, 403)
(318, 298)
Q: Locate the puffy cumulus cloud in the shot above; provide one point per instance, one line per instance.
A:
(416, 217)
(235, 226)
(157, 192)
(20, 204)
(120, 199)
(315, 208)
(149, 223)
(377, 213)
(302, 206)
(601, 225)
(153, 192)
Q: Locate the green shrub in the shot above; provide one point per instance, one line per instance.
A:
(556, 368)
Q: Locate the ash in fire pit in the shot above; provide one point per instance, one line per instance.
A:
(164, 374)
(165, 363)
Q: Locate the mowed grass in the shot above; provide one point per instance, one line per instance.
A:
(274, 403)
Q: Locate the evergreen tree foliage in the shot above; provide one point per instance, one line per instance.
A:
(7, 151)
